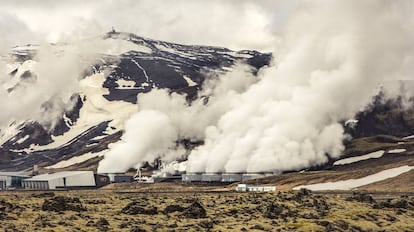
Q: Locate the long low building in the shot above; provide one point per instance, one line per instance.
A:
(64, 180)
(12, 180)
(222, 177)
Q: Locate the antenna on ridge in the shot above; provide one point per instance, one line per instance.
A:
(113, 29)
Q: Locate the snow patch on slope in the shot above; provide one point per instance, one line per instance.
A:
(21, 140)
(396, 151)
(125, 84)
(373, 155)
(190, 82)
(8, 133)
(409, 137)
(165, 48)
(354, 183)
(28, 65)
(95, 110)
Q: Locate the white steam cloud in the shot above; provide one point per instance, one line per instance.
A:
(41, 89)
(333, 57)
(238, 24)
(164, 118)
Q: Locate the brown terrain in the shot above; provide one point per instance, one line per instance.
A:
(207, 210)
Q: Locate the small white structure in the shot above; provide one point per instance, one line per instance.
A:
(249, 188)
(61, 180)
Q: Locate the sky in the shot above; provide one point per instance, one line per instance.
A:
(237, 24)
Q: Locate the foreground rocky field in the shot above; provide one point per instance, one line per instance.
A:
(209, 211)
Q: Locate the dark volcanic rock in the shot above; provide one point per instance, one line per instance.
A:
(208, 225)
(257, 227)
(102, 224)
(195, 210)
(135, 208)
(396, 204)
(137, 229)
(173, 208)
(273, 211)
(95, 202)
(6, 207)
(43, 195)
(43, 221)
(361, 197)
(301, 194)
(61, 203)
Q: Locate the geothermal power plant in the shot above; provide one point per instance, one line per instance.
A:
(90, 180)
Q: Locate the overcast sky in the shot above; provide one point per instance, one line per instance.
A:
(238, 24)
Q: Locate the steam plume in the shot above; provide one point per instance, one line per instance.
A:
(333, 58)
(53, 79)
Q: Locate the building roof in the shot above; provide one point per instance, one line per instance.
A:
(57, 175)
(18, 174)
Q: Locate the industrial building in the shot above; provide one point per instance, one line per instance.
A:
(191, 177)
(118, 177)
(12, 180)
(65, 180)
(231, 177)
(222, 177)
(123, 179)
(211, 177)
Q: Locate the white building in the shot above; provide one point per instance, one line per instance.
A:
(12, 179)
(250, 188)
(61, 180)
(210, 177)
(191, 177)
(231, 177)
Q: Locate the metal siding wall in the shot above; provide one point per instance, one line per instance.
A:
(83, 179)
(3, 182)
(211, 178)
(231, 177)
(8, 181)
(53, 183)
(191, 177)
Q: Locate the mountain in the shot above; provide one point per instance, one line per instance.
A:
(128, 65)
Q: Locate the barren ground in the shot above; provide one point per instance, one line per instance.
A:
(204, 210)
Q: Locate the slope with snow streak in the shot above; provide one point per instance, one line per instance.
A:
(350, 160)
(396, 151)
(96, 109)
(355, 183)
